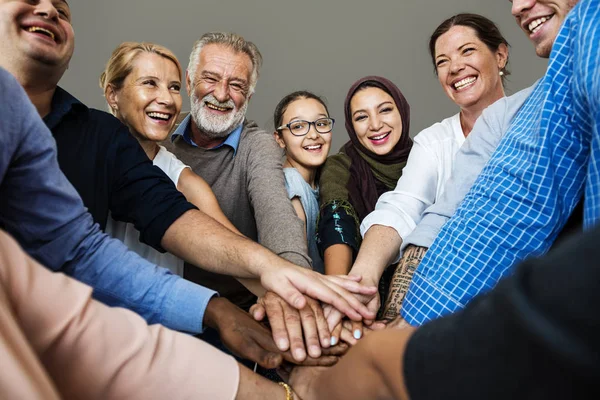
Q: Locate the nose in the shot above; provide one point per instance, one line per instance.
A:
(221, 91)
(312, 132)
(456, 66)
(165, 97)
(46, 9)
(375, 123)
(519, 6)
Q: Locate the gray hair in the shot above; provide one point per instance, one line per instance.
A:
(233, 41)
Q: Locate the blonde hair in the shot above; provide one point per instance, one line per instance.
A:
(233, 41)
(120, 63)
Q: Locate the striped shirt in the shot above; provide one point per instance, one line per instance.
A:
(528, 189)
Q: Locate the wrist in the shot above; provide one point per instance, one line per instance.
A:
(214, 310)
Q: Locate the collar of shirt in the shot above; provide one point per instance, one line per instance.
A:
(184, 130)
(62, 104)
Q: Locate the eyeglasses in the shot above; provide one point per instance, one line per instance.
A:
(301, 127)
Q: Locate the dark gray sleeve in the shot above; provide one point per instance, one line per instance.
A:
(533, 337)
(279, 228)
(469, 162)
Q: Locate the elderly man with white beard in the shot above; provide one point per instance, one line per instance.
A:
(243, 165)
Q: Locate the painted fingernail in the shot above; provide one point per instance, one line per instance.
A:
(333, 340)
(357, 334)
(282, 344)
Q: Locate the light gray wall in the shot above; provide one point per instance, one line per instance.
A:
(322, 46)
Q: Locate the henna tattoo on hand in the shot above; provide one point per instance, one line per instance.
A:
(401, 281)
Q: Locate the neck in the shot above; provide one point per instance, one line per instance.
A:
(202, 140)
(39, 85)
(309, 174)
(469, 115)
(150, 147)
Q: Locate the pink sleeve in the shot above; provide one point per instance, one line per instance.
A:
(91, 351)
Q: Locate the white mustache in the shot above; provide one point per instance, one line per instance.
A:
(209, 98)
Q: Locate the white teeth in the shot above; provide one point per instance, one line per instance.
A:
(214, 107)
(464, 82)
(534, 26)
(379, 137)
(38, 29)
(159, 115)
(315, 147)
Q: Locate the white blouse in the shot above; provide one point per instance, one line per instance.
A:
(127, 233)
(423, 178)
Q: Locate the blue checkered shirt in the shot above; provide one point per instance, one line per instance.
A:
(528, 189)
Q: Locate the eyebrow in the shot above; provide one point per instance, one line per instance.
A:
(379, 105)
(460, 47)
(298, 117)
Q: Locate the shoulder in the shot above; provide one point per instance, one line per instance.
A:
(294, 183)
(339, 160)
(439, 132)
(253, 135)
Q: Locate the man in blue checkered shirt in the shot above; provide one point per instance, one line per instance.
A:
(545, 163)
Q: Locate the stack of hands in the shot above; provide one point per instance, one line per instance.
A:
(305, 319)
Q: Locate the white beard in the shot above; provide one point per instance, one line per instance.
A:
(212, 125)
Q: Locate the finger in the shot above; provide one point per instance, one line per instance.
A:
(357, 329)
(292, 295)
(335, 334)
(334, 318)
(293, 326)
(322, 327)
(311, 334)
(258, 312)
(347, 336)
(338, 350)
(352, 285)
(354, 278)
(349, 304)
(378, 325)
(278, 328)
(268, 355)
(323, 361)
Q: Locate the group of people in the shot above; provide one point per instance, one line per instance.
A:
(281, 256)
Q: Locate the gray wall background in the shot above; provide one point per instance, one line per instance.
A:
(322, 46)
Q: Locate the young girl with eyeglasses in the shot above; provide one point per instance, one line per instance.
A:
(303, 129)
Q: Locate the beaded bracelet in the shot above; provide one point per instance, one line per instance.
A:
(288, 391)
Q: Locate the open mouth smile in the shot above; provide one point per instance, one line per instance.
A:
(380, 138)
(313, 147)
(217, 108)
(157, 116)
(464, 83)
(536, 24)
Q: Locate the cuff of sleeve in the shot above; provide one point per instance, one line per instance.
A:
(185, 308)
(155, 231)
(425, 302)
(426, 232)
(402, 224)
(296, 258)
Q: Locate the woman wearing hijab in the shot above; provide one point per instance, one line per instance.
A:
(377, 118)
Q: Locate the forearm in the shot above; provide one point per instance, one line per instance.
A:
(205, 243)
(401, 280)
(121, 278)
(370, 370)
(378, 250)
(253, 285)
(93, 351)
(254, 387)
(338, 259)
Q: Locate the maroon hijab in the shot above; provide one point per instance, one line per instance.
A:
(363, 187)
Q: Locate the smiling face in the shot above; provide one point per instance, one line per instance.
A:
(376, 120)
(220, 91)
(467, 69)
(541, 20)
(308, 151)
(36, 32)
(149, 100)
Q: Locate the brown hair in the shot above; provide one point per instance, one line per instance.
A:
(485, 29)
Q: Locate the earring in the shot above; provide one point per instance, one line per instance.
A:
(501, 73)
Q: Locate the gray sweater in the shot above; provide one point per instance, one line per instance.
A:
(249, 186)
